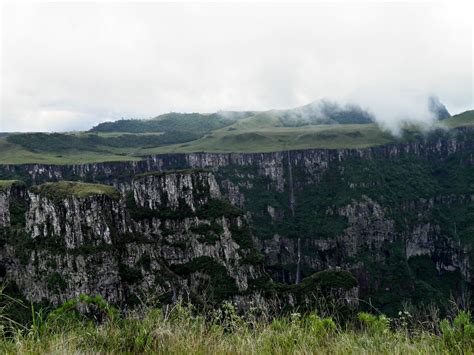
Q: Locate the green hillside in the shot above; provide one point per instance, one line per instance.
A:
(182, 122)
(463, 119)
(315, 113)
(284, 138)
(275, 130)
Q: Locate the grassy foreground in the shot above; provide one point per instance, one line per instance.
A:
(181, 330)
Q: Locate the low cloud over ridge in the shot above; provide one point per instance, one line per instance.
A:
(71, 66)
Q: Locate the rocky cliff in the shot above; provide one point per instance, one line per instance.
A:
(173, 237)
(270, 164)
(398, 217)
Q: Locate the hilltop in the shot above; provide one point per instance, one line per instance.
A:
(322, 124)
(315, 113)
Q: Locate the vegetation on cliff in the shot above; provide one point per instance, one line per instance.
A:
(171, 172)
(58, 191)
(5, 184)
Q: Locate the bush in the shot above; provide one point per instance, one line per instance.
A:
(460, 333)
(320, 326)
(374, 325)
(56, 283)
(81, 309)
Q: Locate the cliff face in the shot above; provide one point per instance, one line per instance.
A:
(178, 190)
(173, 237)
(76, 221)
(398, 217)
(13, 198)
(5, 208)
(269, 164)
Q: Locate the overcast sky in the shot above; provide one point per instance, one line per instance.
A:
(70, 66)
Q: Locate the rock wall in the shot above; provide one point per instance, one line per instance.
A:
(271, 165)
(4, 207)
(393, 215)
(99, 245)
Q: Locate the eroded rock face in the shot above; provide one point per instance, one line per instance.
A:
(177, 190)
(176, 234)
(4, 207)
(90, 221)
(95, 245)
(367, 227)
(271, 165)
(13, 197)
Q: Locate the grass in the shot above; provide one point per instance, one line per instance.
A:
(181, 330)
(63, 189)
(261, 132)
(4, 184)
(283, 138)
(15, 154)
(463, 119)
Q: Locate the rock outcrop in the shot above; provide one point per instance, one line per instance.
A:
(173, 237)
(398, 217)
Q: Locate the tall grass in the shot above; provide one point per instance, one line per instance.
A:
(89, 325)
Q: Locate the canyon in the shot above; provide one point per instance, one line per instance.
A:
(382, 225)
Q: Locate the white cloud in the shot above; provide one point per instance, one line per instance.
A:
(69, 66)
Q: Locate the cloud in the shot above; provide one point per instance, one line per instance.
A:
(70, 66)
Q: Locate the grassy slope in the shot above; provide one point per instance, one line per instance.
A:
(15, 154)
(463, 119)
(262, 132)
(63, 189)
(4, 184)
(283, 138)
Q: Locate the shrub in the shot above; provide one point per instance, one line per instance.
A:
(56, 282)
(320, 326)
(81, 309)
(329, 279)
(460, 332)
(374, 325)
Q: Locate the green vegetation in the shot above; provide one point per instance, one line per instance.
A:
(18, 208)
(58, 142)
(327, 279)
(129, 274)
(276, 130)
(58, 191)
(220, 285)
(214, 208)
(209, 233)
(16, 154)
(218, 208)
(268, 139)
(5, 184)
(56, 283)
(411, 190)
(172, 122)
(461, 120)
(316, 113)
(99, 328)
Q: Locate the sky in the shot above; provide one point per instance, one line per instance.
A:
(69, 66)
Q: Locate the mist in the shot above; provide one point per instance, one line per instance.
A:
(71, 66)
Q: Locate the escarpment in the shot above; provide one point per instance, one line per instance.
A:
(120, 174)
(173, 237)
(209, 226)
